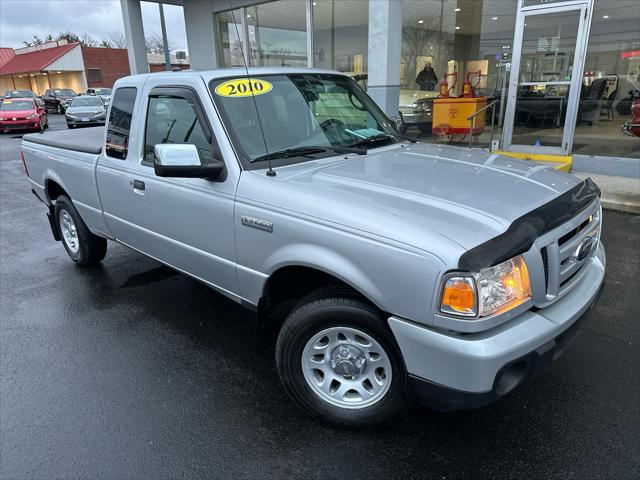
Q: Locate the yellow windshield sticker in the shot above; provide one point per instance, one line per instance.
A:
(243, 87)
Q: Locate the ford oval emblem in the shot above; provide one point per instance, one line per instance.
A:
(583, 249)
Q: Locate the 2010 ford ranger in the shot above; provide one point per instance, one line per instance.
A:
(389, 270)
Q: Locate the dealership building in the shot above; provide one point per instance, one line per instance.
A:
(560, 72)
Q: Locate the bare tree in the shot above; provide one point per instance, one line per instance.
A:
(155, 44)
(117, 39)
(87, 40)
(35, 41)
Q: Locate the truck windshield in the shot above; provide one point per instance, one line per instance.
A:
(303, 117)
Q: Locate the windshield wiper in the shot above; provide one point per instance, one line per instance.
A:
(374, 139)
(306, 151)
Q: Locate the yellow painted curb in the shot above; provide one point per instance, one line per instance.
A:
(562, 162)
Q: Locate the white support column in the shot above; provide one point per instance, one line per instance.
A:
(201, 34)
(134, 31)
(310, 59)
(385, 38)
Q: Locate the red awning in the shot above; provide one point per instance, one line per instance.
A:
(35, 61)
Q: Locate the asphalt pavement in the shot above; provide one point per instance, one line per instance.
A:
(131, 370)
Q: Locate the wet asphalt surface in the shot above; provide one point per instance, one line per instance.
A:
(131, 370)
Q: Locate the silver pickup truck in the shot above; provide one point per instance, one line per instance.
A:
(385, 270)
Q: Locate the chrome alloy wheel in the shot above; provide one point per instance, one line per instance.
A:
(69, 232)
(346, 367)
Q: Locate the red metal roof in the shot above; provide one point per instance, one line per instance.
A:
(35, 61)
(6, 54)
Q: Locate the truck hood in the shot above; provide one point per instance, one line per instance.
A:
(419, 194)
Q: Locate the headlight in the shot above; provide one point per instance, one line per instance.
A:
(33, 115)
(491, 291)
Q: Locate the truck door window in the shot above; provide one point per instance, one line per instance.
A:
(122, 106)
(172, 119)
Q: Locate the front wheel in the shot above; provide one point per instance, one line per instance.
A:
(337, 359)
(82, 246)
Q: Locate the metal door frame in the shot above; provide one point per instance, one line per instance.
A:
(585, 7)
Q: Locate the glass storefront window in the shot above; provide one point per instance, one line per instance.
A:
(546, 67)
(611, 76)
(230, 33)
(452, 39)
(277, 34)
(340, 35)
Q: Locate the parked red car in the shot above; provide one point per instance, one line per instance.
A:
(22, 114)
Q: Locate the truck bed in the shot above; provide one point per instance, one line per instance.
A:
(88, 140)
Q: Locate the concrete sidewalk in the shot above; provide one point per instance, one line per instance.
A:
(618, 193)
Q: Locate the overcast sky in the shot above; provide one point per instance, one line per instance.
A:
(21, 19)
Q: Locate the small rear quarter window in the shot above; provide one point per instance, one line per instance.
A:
(122, 106)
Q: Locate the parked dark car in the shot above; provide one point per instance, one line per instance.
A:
(56, 98)
(22, 114)
(23, 94)
(85, 110)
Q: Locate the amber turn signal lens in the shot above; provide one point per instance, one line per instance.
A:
(459, 296)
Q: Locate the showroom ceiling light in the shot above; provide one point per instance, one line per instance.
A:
(605, 16)
(494, 18)
(457, 28)
(248, 16)
(420, 21)
(458, 9)
(315, 3)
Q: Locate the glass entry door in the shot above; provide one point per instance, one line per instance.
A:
(546, 77)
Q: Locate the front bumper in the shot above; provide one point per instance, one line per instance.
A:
(454, 371)
(20, 124)
(79, 120)
(413, 118)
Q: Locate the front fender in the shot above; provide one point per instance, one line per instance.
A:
(328, 261)
(392, 278)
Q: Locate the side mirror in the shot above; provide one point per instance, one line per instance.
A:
(182, 160)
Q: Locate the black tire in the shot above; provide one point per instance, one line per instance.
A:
(91, 248)
(337, 307)
(70, 126)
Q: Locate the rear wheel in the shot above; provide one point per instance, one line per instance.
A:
(81, 245)
(338, 360)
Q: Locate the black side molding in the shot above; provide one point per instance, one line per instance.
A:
(521, 234)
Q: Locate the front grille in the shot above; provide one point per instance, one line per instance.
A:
(561, 265)
(545, 265)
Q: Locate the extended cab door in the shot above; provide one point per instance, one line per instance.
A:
(112, 173)
(184, 222)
